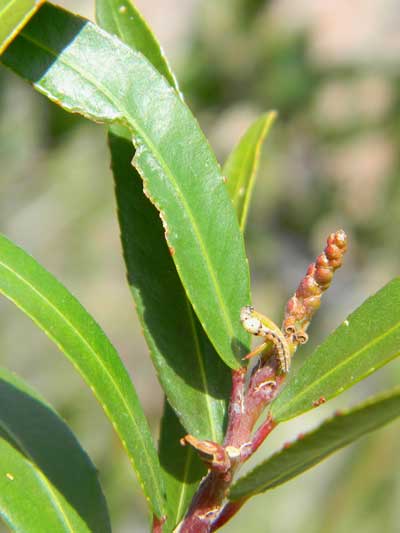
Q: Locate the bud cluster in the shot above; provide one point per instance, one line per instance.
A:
(307, 298)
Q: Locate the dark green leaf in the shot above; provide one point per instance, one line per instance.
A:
(29, 502)
(60, 54)
(193, 377)
(312, 448)
(121, 18)
(155, 284)
(241, 166)
(195, 380)
(14, 14)
(367, 340)
(181, 466)
(82, 340)
(29, 424)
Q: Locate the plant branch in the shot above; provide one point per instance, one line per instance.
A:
(228, 511)
(208, 510)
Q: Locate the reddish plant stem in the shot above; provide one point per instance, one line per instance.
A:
(206, 504)
(207, 508)
(208, 500)
(259, 437)
(229, 510)
(236, 405)
(244, 411)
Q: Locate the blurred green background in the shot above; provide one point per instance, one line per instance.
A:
(332, 70)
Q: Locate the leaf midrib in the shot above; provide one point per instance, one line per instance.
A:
(257, 152)
(243, 164)
(98, 358)
(184, 484)
(6, 7)
(341, 364)
(131, 121)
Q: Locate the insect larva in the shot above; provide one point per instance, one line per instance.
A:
(261, 326)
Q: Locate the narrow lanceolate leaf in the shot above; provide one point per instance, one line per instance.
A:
(241, 166)
(60, 53)
(367, 340)
(312, 448)
(14, 14)
(121, 18)
(29, 502)
(181, 467)
(194, 378)
(66, 322)
(28, 423)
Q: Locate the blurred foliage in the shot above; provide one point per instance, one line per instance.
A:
(332, 161)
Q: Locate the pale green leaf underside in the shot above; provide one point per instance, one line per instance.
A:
(28, 423)
(14, 14)
(29, 502)
(367, 340)
(60, 54)
(312, 448)
(74, 331)
(240, 169)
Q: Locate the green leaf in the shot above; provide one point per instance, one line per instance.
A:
(312, 448)
(60, 54)
(14, 14)
(367, 340)
(195, 380)
(181, 466)
(74, 331)
(29, 502)
(121, 18)
(26, 422)
(241, 166)
(187, 366)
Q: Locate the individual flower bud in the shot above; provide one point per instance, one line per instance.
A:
(322, 261)
(333, 252)
(311, 269)
(339, 239)
(323, 276)
(312, 304)
(308, 287)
